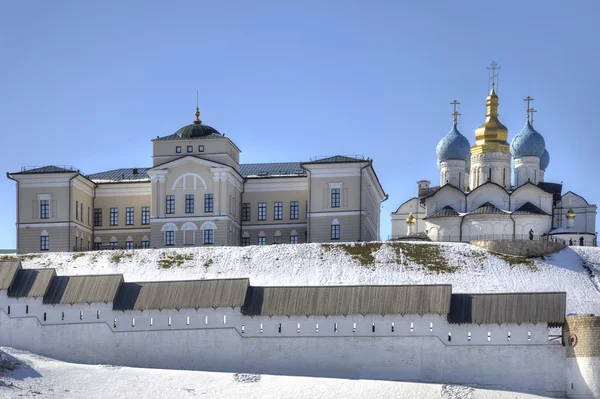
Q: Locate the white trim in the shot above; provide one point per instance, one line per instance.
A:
(46, 225)
(124, 190)
(208, 226)
(44, 233)
(195, 176)
(329, 214)
(189, 219)
(335, 222)
(84, 185)
(336, 185)
(119, 231)
(262, 234)
(189, 226)
(246, 234)
(169, 227)
(274, 226)
(277, 233)
(42, 197)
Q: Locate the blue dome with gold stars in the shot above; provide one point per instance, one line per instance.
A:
(545, 160)
(454, 146)
(528, 143)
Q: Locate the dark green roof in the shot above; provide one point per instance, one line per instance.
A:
(529, 209)
(45, 169)
(193, 131)
(120, 175)
(447, 211)
(281, 169)
(486, 209)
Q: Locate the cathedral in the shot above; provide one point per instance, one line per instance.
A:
(494, 190)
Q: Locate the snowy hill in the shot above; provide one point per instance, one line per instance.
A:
(468, 268)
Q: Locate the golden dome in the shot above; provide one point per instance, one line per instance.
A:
(411, 219)
(492, 135)
(570, 214)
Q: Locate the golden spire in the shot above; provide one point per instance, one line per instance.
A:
(410, 220)
(197, 121)
(456, 114)
(492, 135)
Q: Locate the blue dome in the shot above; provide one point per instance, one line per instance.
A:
(528, 143)
(454, 146)
(545, 160)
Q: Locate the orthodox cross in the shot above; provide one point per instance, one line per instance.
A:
(531, 111)
(529, 100)
(456, 113)
(493, 68)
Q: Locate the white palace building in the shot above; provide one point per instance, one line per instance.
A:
(482, 196)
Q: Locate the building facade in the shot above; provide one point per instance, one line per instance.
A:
(197, 193)
(481, 196)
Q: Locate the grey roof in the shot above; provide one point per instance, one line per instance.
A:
(195, 294)
(254, 170)
(338, 159)
(487, 208)
(83, 289)
(31, 283)
(348, 300)
(428, 192)
(45, 169)
(121, 175)
(446, 211)
(8, 272)
(518, 308)
(529, 209)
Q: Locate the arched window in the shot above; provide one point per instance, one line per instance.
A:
(189, 181)
(169, 230)
(189, 233)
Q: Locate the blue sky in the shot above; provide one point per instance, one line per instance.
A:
(90, 84)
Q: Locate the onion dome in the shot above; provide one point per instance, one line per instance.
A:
(528, 143)
(411, 219)
(570, 213)
(454, 146)
(492, 135)
(545, 160)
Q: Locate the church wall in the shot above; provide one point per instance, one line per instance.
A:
(540, 224)
(443, 229)
(399, 226)
(533, 194)
(447, 196)
(419, 348)
(487, 227)
(527, 170)
(488, 193)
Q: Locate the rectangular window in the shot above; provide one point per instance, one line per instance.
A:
(97, 216)
(200, 148)
(208, 236)
(189, 203)
(145, 215)
(44, 243)
(278, 211)
(245, 241)
(208, 202)
(129, 216)
(81, 212)
(190, 148)
(169, 238)
(178, 149)
(262, 240)
(114, 216)
(89, 220)
(294, 239)
(97, 246)
(335, 197)
(129, 245)
(335, 231)
(145, 244)
(114, 245)
(262, 211)
(294, 210)
(45, 209)
(246, 212)
(170, 204)
(76, 210)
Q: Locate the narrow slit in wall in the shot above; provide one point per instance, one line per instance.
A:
(392, 327)
(430, 327)
(317, 327)
(63, 317)
(298, 327)
(354, 327)
(8, 311)
(508, 336)
(242, 328)
(449, 336)
(279, 328)
(205, 319)
(373, 328)
(81, 315)
(151, 321)
(115, 323)
(97, 314)
(412, 325)
(489, 336)
(44, 316)
(169, 320)
(334, 327)
(261, 328)
(224, 319)
(187, 320)
(26, 309)
(529, 336)
(133, 322)
(469, 336)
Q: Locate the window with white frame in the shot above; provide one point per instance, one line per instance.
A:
(129, 245)
(114, 216)
(208, 236)
(335, 231)
(294, 239)
(208, 202)
(44, 243)
(245, 212)
(145, 244)
(294, 210)
(262, 211)
(114, 244)
(145, 215)
(178, 149)
(245, 241)
(335, 197)
(170, 204)
(189, 203)
(45, 209)
(262, 240)
(97, 216)
(278, 211)
(200, 148)
(81, 212)
(76, 210)
(169, 237)
(129, 216)
(190, 148)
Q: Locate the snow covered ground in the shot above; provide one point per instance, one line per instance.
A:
(468, 268)
(42, 377)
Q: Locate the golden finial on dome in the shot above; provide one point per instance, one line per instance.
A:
(197, 121)
(492, 135)
(411, 219)
(570, 213)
